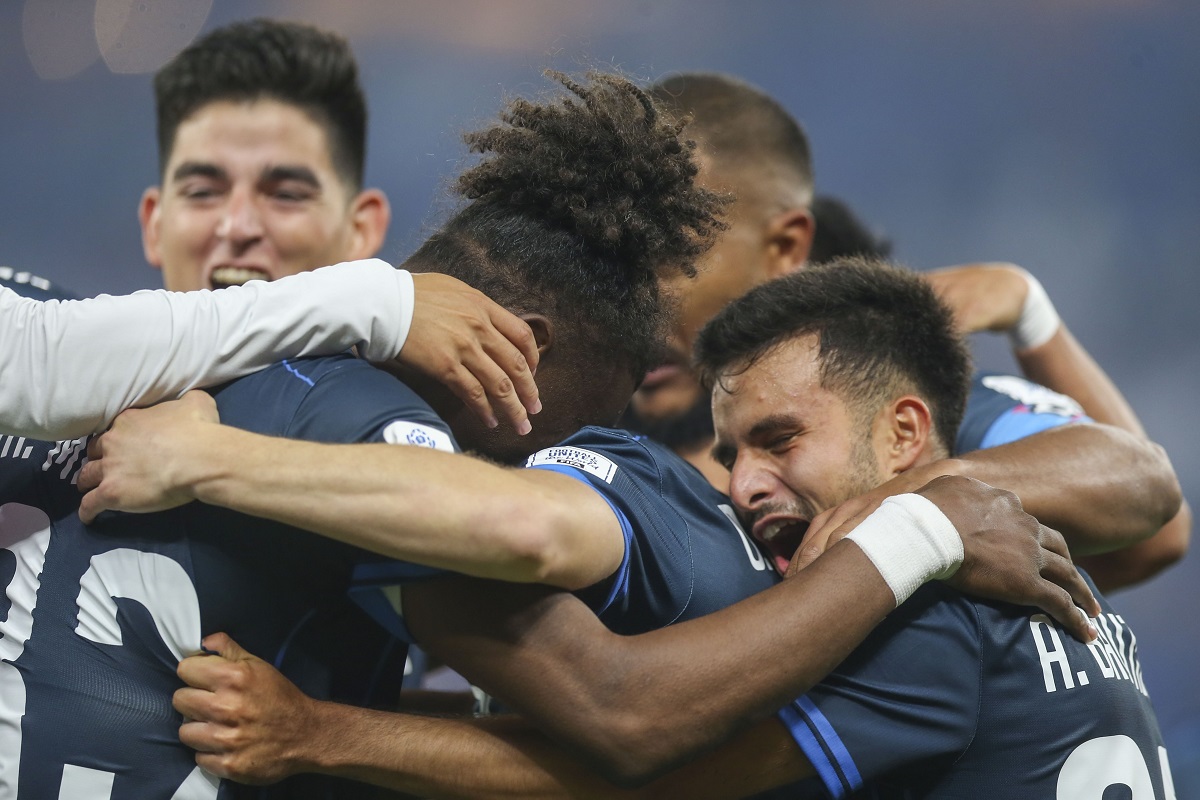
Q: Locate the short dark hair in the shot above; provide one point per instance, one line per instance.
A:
(581, 204)
(296, 64)
(882, 332)
(741, 124)
(841, 233)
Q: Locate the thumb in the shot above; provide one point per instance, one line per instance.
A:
(222, 645)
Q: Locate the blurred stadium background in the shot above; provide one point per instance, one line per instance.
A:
(1063, 136)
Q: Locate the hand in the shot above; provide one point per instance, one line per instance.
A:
(831, 526)
(983, 297)
(245, 721)
(483, 353)
(1009, 556)
(133, 466)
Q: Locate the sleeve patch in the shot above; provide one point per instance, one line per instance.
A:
(585, 460)
(404, 432)
(1039, 399)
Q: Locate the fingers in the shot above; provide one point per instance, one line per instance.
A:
(815, 542)
(223, 645)
(1063, 574)
(1057, 602)
(1060, 568)
(510, 360)
(494, 381)
(219, 666)
(483, 353)
(92, 505)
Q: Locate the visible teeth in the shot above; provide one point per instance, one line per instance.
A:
(236, 276)
(772, 530)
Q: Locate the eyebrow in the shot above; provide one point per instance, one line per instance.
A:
(772, 423)
(290, 173)
(723, 452)
(190, 169)
(276, 174)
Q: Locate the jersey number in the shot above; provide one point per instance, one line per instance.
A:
(1097, 764)
(116, 573)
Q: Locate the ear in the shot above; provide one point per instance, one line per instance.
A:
(789, 238)
(370, 214)
(907, 431)
(150, 218)
(543, 331)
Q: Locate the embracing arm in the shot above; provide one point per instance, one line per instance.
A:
(629, 704)
(70, 366)
(407, 502)
(1062, 364)
(250, 724)
(151, 345)
(1102, 487)
(1005, 298)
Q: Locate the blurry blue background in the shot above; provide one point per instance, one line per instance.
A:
(1063, 136)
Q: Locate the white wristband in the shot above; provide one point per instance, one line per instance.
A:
(910, 541)
(1039, 320)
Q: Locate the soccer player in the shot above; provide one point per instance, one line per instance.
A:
(261, 142)
(826, 383)
(752, 148)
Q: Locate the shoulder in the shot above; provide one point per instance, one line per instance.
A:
(332, 399)
(605, 453)
(29, 285)
(1005, 408)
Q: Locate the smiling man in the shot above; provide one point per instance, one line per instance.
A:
(262, 140)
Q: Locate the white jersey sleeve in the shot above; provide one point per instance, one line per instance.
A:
(67, 368)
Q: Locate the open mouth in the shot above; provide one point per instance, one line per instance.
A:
(782, 539)
(236, 276)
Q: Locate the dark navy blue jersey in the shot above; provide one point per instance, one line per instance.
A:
(29, 285)
(95, 618)
(685, 553)
(1005, 408)
(953, 698)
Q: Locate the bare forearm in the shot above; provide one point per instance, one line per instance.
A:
(1102, 487)
(1063, 365)
(412, 503)
(448, 758)
(628, 704)
(504, 757)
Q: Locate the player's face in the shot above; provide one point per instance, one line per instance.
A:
(794, 448)
(250, 192)
(735, 264)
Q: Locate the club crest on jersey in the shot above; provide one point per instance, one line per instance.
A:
(403, 432)
(576, 457)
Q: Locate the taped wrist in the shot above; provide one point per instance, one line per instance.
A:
(910, 541)
(1038, 321)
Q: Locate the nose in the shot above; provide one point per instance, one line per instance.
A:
(241, 221)
(751, 482)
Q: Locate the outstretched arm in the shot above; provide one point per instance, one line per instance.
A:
(70, 366)
(1006, 299)
(416, 504)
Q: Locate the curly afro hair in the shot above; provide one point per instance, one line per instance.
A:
(580, 205)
